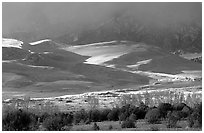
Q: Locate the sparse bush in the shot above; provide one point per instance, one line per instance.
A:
(179, 106)
(190, 121)
(96, 127)
(122, 117)
(143, 106)
(128, 124)
(113, 115)
(173, 118)
(198, 114)
(77, 117)
(147, 98)
(94, 115)
(54, 123)
(47, 107)
(43, 116)
(132, 117)
(80, 116)
(195, 119)
(68, 117)
(17, 120)
(104, 114)
(34, 125)
(153, 116)
(93, 102)
(126, 111)
(140, 111)
(185, 112)
(164, 108)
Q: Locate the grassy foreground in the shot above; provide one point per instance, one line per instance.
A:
(165, 116)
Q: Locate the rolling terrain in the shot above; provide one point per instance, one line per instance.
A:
(136, 57)
(99, 76)
(49, 69)
(44, 69)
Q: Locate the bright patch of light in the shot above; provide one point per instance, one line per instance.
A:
(47, 52)
(94, 44)
(38, 42)
(6, 42)
(139, 63)
(101, 58)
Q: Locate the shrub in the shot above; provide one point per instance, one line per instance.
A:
(84, 115)
(122, 117)
(77, 117)
(94, 115)
(17, 120)
(173, 118)
(140, 111)
(185, 112)
(198, 113)
(34, 125)
(164, 108)
(179, 106)
(152, 116)
(127, 108)
(54, 123)
(190, 121)
(43, 116)
(47, 107)
(104, 114)
(96, 127)
(195, 119)
(128, 124)
(80, 116)
(93, 102)
(113, 115)
(65, 118)
(143, 106)
(132, 117)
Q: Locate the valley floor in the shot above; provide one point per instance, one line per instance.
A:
(109, 98)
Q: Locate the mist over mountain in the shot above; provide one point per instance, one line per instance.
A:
(172, 26)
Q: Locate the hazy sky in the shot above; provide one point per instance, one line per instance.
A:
(18, 15)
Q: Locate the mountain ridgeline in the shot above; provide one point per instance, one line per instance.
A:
(186, 36)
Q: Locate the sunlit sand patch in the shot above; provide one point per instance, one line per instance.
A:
(6, 42)
(139, 63)
(8, 61)
(101, 58)
(92, 44)
(38, 42)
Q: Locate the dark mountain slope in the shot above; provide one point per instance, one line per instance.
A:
(108, 75)
(37, 74)
(58, 59)
(170, 64)
(171, 37)
(47, 46)
(11, 53)
(160, 61)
